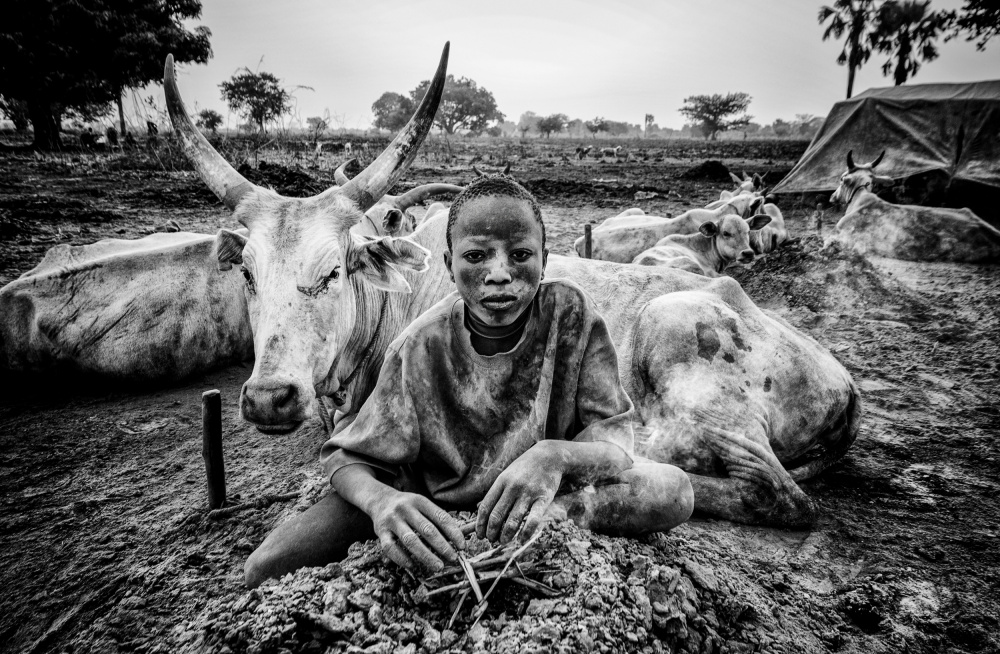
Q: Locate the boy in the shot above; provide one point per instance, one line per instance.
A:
(504, 394)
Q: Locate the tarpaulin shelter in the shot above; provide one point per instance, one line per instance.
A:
(952, 130)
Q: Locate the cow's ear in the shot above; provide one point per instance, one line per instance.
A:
(392, 221)
(378, 259)
(708, 229)
(756, 204)
(735, 178)
(758, 221)
(229, 248)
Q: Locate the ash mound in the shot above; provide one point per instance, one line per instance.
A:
(293, 182)
(572, 591)
(823, 278)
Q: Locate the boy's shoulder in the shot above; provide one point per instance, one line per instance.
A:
(430, 325)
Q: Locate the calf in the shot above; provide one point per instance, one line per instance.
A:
(711, 250)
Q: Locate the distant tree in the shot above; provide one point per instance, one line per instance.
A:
(317, 125)
(495, 131)
(258, 97)
(554, 123)
(16, 112)
(209, 119)
(617, 128)
(392, 111)
(906, 31)
(464, 105)
(528, 121)
(781, 128)
(57, 56)
(711, 112)
(595, 125)
(648, 122)
(978, 19)
(853, 18)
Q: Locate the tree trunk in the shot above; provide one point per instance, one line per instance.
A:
(45, 125)
(850, 81)
(900, 74)
(121, 114)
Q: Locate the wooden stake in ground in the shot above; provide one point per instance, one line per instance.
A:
(211, 447)
(588, 242)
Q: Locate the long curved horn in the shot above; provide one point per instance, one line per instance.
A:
(421, 193)
(340, 176)
(372, 183)
(878, 160)
(850, 161)
(478, 172)
(506, 170)
(214, 170)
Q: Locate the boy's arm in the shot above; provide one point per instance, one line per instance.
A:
(411, 528)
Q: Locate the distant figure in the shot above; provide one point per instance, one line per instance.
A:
(88, 139)
(112, 134)
(151, 129)
(818, 218)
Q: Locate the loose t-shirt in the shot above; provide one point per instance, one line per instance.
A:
(446, 421)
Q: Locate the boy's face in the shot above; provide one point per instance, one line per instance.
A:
(497, 258)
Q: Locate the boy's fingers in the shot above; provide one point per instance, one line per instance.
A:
(486, 508)
(499, 516)
(534, 519)
(448, 527)
(419, 552)
(429, 532)
(513, 522)
(396, 554)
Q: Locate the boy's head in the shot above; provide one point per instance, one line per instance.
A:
(496, 248)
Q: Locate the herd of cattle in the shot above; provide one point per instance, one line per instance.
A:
(314, 290)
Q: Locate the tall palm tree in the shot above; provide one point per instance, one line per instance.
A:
(906, 31)
(853, 18)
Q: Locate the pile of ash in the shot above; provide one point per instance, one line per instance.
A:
(823, 278)
(678, 592)
(293, 182)
(711, 170)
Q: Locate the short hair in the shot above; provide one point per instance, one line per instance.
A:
(493, 186)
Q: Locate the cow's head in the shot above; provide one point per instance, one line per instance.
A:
(747, 184)
(312, 266)
(857, 177)
(731, 237)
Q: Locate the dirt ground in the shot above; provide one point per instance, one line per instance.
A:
(105, 542)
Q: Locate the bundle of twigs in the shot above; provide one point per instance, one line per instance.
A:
(494, 564)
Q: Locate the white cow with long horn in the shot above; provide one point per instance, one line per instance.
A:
(718, 384)
(901, 231)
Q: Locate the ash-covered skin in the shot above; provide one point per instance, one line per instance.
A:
(498, 257)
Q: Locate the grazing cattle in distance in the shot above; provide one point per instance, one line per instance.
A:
(872, 225)
(710, 251)
(623, 237)
(718, 384)
(582, 152)
(611, 152)
(348, 148)
(391, 215)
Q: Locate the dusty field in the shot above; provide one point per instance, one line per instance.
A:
(105, 544)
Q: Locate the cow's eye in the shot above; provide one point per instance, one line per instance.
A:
(334, 274)
(248, 276)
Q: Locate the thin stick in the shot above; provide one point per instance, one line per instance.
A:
(529, 543)
(464, 584)
(588, 242)
(461, 601)
(259, 503)
(468, 527)
(471, 576)
(211, 447)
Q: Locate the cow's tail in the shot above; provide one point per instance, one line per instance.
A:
(836, 438)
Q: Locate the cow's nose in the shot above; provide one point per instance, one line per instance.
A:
(746, 256)
(276, 403)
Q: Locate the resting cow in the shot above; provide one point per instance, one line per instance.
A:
(901, 231)
(710, 251)
(622, 238)
(718, 384)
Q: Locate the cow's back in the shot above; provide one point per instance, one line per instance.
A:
(156, 308)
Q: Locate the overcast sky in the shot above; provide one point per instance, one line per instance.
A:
(612, 58)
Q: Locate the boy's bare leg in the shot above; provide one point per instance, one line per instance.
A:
(647, 498)
(320, 535)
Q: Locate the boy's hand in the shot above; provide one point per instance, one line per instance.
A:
(413, 530)
(520, 495)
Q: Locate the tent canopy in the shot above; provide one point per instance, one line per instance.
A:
(950, 128)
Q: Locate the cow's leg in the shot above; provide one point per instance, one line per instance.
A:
(758, 490)
(647, 498)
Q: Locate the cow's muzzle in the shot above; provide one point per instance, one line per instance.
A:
(746, 256)
(276, 405)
